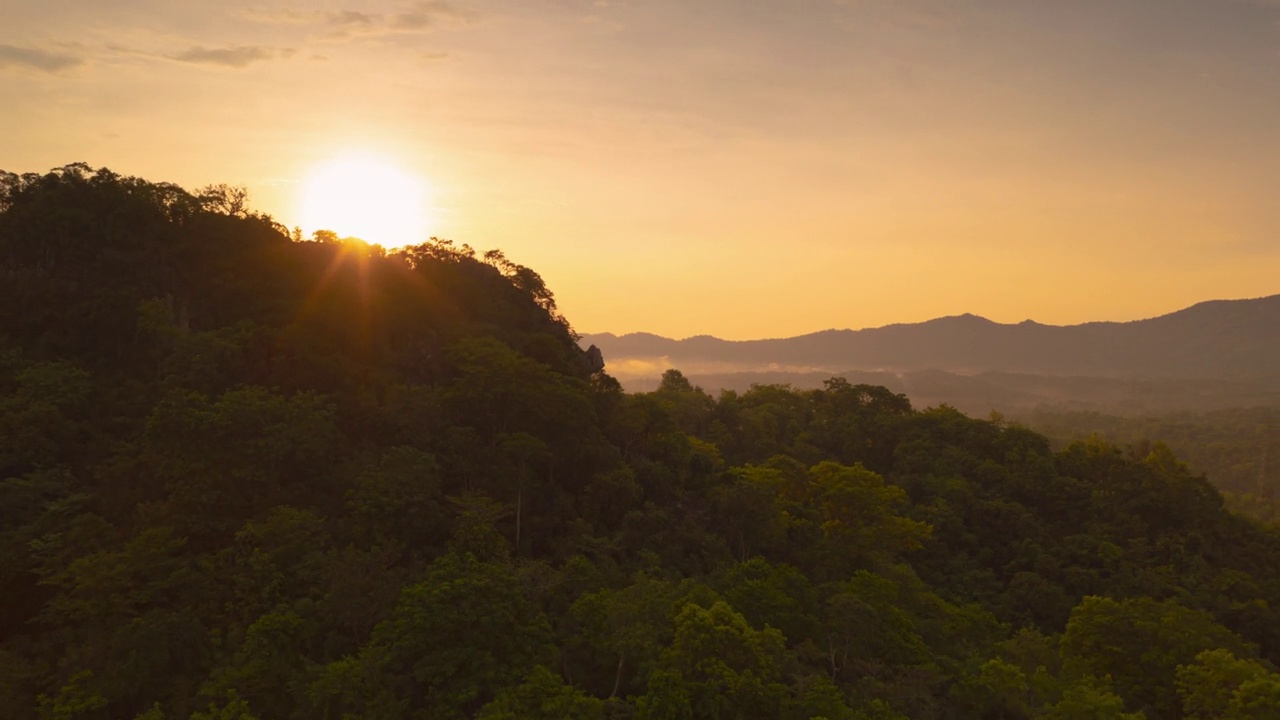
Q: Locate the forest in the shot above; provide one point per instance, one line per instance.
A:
(1238, 449)
(246, 475)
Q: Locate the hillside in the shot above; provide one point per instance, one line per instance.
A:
(250, 476)
(1217, 340)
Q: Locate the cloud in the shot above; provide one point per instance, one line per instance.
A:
(37, 59)
(348, 18)
(279, 17)
(345, 25)
(428, 14)
(232, 57)
(411, 21)
(632, 368)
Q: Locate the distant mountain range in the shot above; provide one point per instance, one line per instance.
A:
(1221, 339)
(1233, 346)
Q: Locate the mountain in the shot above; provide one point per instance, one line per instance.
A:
(1220, 339)
(248, 476)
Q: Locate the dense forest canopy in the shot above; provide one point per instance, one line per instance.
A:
(1238, 449)
(248, 476)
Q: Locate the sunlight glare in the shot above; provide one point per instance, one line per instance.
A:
(367, 197)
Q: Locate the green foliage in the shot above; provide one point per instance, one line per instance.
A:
(398, 500)
(1238, 449)
(1255, 699)
(999, 689)
(153, 713)
(246, 476)
(818, 697)
(723, 666)
(1086, 702)
(234, 708)
(856, 512)
(73, 701)
(632, 624)
(263, 669)
(1139, 644)
(1220, 685)
(542, 696)
(457, 638)
(778, 596)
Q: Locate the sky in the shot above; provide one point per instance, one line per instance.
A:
(744, 169)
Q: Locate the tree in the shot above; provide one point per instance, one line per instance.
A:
(631, 624)
(725, 668)
(522, 450)
(542, 696)
(866, 626)
(1220, 686)
(74, 701)
(1139, 643)
(674, 381)
(457, 638)
(398, 500)
(770, 595)
(265, 669)
(1086, 702)
(747, 511)
(999, 690)
(859, 517)
(233, 708)
(225, 199)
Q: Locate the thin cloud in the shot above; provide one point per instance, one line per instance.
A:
(333, 25)
(347, 25)
(429, 14)
(412, 21)
(349, 18)
(37, 59)
(232, 57)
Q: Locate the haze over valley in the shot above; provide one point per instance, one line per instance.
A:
(1215, 354)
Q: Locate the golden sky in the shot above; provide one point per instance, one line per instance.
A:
(743, 169)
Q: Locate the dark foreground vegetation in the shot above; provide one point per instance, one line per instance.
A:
(245, 476)
(1237, 449)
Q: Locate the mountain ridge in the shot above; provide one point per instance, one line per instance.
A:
(1220, 339)
(1027, 321)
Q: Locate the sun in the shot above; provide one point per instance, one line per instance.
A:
(368, 197)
